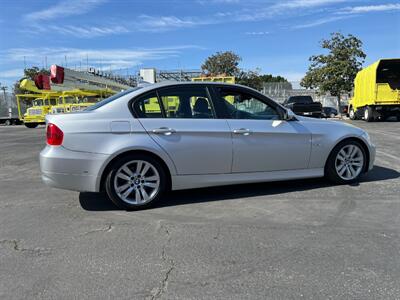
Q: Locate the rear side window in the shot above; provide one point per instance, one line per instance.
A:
(147, 106)
(187, 102)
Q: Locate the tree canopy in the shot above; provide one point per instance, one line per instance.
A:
(222, 63)
(33, 71)
(227, 64)
(335, 72)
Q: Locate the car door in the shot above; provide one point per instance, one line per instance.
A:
(262, 141)
(182, 120)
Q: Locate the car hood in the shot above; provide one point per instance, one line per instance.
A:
(315, 125)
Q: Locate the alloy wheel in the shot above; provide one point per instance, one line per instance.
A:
(137, 182)
(349, 162)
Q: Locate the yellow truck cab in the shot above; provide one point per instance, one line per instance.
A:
(377, 91)
(38, 106)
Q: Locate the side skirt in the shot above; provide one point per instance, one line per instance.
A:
(181, 182)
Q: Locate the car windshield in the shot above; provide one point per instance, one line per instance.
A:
(112, 98)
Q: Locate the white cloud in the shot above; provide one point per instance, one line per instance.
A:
(89, 31)
(257, 33)
(294, 4)
(320, 22)
(256, 13)
(107, 58)
(11, 73)
(218, 1)
(64, 8)
(370, 8)
(162, 23)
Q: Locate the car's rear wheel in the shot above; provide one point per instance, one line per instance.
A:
(368, 114)
(346, 162)
(136, 182)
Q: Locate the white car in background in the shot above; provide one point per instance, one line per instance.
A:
(141, 143)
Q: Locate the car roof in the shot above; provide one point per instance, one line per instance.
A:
(151, 86)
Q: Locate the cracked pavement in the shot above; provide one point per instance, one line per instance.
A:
(285, 240)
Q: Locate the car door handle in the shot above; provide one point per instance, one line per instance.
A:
(164, 131)
(242, 131)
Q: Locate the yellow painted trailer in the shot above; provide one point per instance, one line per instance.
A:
(39, 103)
(226, 79)
(377, 91)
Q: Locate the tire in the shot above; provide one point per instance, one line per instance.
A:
(368, 114)
(352, 114)
(134, 186)
(7, 123)
(31, 125)
(332, 116)
(333, 165)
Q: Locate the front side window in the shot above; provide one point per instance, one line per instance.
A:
(241, 105)
(187, 102)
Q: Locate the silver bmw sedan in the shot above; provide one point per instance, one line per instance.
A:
(139, 144)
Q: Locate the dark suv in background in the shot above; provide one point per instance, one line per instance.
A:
(304, 106)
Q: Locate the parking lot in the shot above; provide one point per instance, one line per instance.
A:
(286, 240)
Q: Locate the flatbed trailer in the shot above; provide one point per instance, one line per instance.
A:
(10, 121)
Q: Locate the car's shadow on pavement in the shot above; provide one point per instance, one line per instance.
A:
(99, 201)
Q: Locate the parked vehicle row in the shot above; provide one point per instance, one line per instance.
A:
(136, 147)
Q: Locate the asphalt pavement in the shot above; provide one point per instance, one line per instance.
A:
(286, 240)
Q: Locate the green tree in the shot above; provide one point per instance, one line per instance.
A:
(271, 78)
(227, 64)
(30, 73)
(250, 78)
(17, 89)
(222, 63)
(335, 72)
(256, 81)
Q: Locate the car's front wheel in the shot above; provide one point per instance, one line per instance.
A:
(136, 182)
(346, 162)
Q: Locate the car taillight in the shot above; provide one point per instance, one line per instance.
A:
(54, 135)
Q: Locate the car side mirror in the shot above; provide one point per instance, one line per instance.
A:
(289, 115)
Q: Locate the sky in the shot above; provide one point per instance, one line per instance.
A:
(276, 37)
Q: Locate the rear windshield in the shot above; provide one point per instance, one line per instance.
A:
(300, 99)
(112, 98)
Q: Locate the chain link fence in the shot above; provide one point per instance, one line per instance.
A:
(280, 91)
